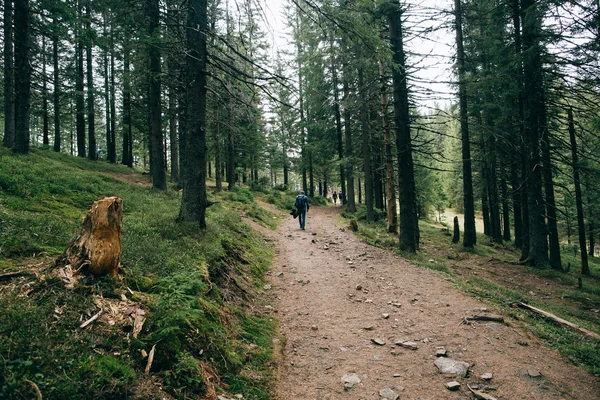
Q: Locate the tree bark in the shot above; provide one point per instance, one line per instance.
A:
(57, 138)
(155, 139)
(392, 211)
(585, 269)
(338, 121)
(92, 148)
(409, 224)
(9, 77)
(112, 149)
(470, 235)
(533, 107)
(553, 239)
(79, 76)
(350, 200)
(106, 91)
(22, 75)
(45, 114)
(366, 145)
(127, 156)
(193, 202)
(97, 248)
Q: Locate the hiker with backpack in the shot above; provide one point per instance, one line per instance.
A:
(302, 206)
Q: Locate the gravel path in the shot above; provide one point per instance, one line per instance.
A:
(331, 293)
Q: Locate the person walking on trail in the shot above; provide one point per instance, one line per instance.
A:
(334, 196)
(302, 206)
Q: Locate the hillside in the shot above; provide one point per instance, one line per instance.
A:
(197, 292)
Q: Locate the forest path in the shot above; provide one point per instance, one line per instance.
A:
(329, 325)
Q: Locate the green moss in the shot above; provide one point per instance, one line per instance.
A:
(186, 281)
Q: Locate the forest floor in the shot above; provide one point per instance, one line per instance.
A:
(344, 306)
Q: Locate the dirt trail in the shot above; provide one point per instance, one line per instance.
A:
(329, 325)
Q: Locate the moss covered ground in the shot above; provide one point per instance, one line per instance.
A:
(195, 289)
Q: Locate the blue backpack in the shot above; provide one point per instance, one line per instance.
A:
(299, 202)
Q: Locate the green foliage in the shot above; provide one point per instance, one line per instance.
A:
(186, 281)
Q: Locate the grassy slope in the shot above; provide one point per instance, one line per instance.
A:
(493, 274)
(194, 288)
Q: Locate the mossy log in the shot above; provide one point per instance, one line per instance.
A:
(97, 248)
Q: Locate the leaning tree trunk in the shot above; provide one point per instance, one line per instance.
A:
(97, 248)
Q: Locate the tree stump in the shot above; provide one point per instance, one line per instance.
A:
(456, 237)
(97, 248)
(353, 225)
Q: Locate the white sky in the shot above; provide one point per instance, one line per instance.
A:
(431, 69)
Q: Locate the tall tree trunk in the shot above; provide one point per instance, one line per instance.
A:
(193, 202)
(45, 114)
(533, 107)
(57, 138)
(79, 76)
(303, 150)
(493, 190)
(553, 239)
(338, 121)
(173, 136)
(112, 150)
(392, 211)
(127, 156)
(366, 145)
(520, 188)
(409, 224)
(22, 75)
(590, 211)
(516, 199)
(92, 150)
(585, 269)
(155, 139)
(469, 236)
(505, 209)
(217, 147)
(106, 91)
(350, 200)
(9, 77)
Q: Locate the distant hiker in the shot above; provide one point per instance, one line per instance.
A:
(302, 206)
(334, 196)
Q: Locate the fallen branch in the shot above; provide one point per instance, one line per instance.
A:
(560, 321)
(9, 275)
(89, 321)
(38, 393)
(480, 394)
(485, 317)
(150, 359)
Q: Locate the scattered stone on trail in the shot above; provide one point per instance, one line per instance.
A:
(385, 315)
(397, 305)
(358, 287)
(279, 274)
(407, 344)
(523, 343)
(388, 394)
(453, 386)
(368, 301)
(378, 341)
(314, 327)
(267, 287)
(325, 247)
(396, 375)
(313, 241)
(441, 352)
(453, 367)
(349, 380)
(487, 376)
(314, 233)
(289, 236)
(534, 373)
(369, 328)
